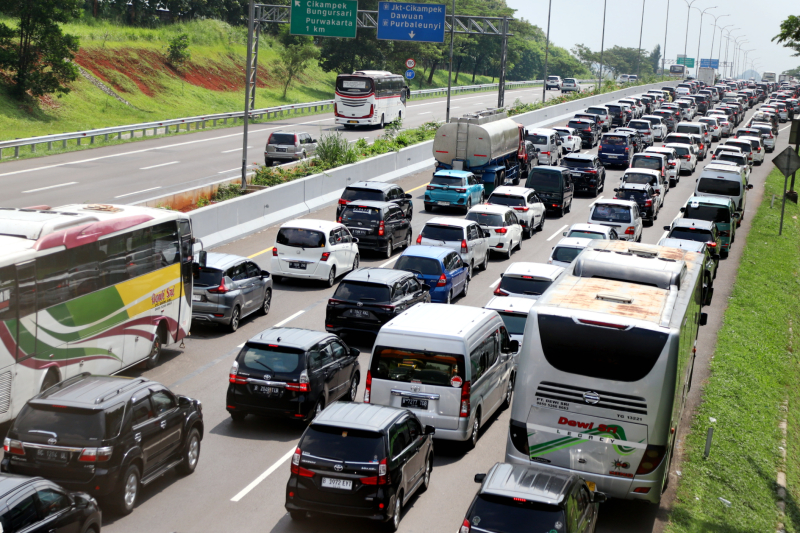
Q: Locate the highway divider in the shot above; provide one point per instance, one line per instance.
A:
(227, 221)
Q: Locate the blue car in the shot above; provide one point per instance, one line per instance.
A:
(616, 149)
(453, 188)
(440, 268)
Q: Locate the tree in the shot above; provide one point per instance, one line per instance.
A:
(297, 54)
(37, 52)
(790, 34)
(793, 72)
(178, 50)
(655, 58)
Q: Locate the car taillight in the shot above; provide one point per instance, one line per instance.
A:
(759, 148)
(325, 256)
(96, 455)
(464, 527)
(461, 190)
(269, 141)
(545, 153)
(653, 455)
(626, 148)
(523, 209)
(381, 228)
(368, 385)
(711, 244)
(296, 141)
(630, 231)
(430, 188)
(442, 281)
(419, 238)
(464, 247)
(296, 468)
(501, 230)
(381, 479)
(500, 292)
(648, 203)
(274, 251)
(222, 289)
(590, 172)
(599, 147)
(334, 302)
(234, 377)
(687, 156)
(465, 408)
(701, 146)
(303, 386)
(13, 446)
(342, 201)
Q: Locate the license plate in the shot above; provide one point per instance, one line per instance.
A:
(269, 391)
(443, 203)
(341, 484)
(53, 455)
(358, 231)
(197, 298)
(301, 266)
(361, 313)
(352, 122)
(414, 403)
(280, 149)
(614, 156)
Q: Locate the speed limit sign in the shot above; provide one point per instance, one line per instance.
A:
(410, 63)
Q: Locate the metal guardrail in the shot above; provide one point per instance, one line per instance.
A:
(164, 127)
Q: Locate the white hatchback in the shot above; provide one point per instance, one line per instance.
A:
(314, 249)
(570, 140)
(529, 207)
(622, 215)
(505, 231)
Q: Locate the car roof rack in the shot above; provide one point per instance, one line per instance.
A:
(117, 392)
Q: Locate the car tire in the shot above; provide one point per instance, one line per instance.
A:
(356, 262)
(426, 478)
(526, 233)
(510, 250)
(127, 493)
(236, 316)
(410, 214)
(331, 277)
(428, 208)
(466, 288)
(238, 417)
(475, 432)
(267, 302)
(509, 394)
(397, 511)
(541, 224)
(191, 453)
(268, 162)
(449, 297)
(389, 249)
(468, 206)
(471, 270)
(351, 395)
(318, 408)
(485, 264)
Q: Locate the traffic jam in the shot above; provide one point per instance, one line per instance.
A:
(515, 330)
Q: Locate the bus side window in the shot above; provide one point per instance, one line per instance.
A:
(112, 257)
(52, 279)
(84, 272)
(167, 246)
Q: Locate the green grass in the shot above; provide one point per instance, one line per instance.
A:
(753, 372)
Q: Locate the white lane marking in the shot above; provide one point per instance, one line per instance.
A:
(161, 165)
(137, 192)
(234, 150)
(50, 187)
(598, 199)
(786, 128)
(425, 113)
(282, 322)
(263, 476)
(231, 170)
(664, 236)
(553, 236)
(496, 283)
(389, 262)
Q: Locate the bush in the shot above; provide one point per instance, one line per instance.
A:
(178, 50)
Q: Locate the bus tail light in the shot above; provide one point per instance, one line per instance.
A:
(465, 407)
(368, 385)
(651, 459)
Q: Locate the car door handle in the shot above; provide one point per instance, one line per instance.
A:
(163, 424)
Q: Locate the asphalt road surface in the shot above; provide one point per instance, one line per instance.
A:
(243, 469)
(133, 172)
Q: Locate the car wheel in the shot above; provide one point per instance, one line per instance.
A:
(155, 350)
(351, 396)
(331, 277)
(191, 453)
(541, 224)
(394, 522)
(510, 250)
(410, 211)
(389, 249)
(426, 479)
(468, 206)
(483, 198)
(640, 238)
(509, 394)
(267, 302)
(268, 162)
(449, 297)
(128, 491)
(526, 233)
(476, 427)
(428, 208)
(724, 254)
(466, 287)
(233, 325)
(407, 243)
(485, 264)
(238, 417)
(318, 408)
(355, 263)
(471, 270)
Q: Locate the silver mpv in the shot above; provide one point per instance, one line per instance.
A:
(228, 288)
(285, 146)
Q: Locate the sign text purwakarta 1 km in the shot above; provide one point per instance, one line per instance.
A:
(320, 18)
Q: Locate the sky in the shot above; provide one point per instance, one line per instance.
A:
(581, 21)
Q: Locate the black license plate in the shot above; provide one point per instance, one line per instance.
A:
(280, 149)
(414, 403)
(301, 266)
(267, 391)
(359, 313)
(55, 456)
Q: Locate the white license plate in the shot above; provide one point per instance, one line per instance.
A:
(280, 149)
(614, 156)
(197, 298)
(301, 266)
(341, 484)
(443, 203)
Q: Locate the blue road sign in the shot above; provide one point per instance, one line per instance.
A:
(401, 21)
(410, 74)
(709, 63)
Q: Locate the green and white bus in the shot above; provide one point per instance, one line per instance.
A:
(88, 288)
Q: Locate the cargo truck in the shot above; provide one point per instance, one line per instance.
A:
(707, 75)
(486, 143)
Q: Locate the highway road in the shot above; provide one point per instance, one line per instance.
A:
(133, 172)
(243, 469)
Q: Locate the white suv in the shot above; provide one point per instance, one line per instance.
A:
(464, 236)
(526, 203)
(554, 82)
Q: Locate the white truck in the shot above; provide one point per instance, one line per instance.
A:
(706, 75)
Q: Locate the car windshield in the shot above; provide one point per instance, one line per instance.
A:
(442, 233)
(712, 213)
(583, 234)
(577, 162)
(537, 139)
(301, 238)
(70, 425)
(269, 358)
(362, 194)
(515, 322)
(528, 285)
(359, 213)
(688, 234)
(427, 367)
(718, 186)
(343, 444)
(486, 219)
(208, 277)
(566, 254)
(729, 156)
(642, 126)
(640, 179)
(612, 213)
(506, 199)
(649, 162)
(579, 125)
(282, 138)
(450, 181)
(419, 265)
(597, 110)
(355, 291)
(615, 140)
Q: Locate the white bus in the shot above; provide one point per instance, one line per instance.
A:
(606, 367)
(369, 98)
(678, 71)
(88, 288)
(768, 77)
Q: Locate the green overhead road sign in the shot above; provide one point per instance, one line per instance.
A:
(688, 61)
(321, 18)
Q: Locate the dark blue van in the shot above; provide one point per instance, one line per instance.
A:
(616, 148)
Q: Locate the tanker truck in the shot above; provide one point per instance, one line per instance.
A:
(488, 144)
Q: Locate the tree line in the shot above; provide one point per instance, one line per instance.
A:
(618, 60)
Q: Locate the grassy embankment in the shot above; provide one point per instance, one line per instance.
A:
(754, 371)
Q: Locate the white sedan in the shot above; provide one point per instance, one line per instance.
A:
(570, 140)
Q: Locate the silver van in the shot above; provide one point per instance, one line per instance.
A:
(464, 236)
(283, 146)
(547, 143)
(452, 365)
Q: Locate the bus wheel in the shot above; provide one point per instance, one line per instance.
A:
(155, 349)
(50, 379)
(383, 122)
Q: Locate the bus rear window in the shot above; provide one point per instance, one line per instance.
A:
(600, 352)
(417, 366)
(354, 85)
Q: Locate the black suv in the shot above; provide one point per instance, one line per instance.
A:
(359, 459)
(378, 226)
(379, 192)
(587, 130)
(644, 196)
(588, 173)
(370, 297)
(292, 373)
(35, 505)
(105, 436)
(638, 141)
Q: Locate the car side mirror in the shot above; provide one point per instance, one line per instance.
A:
(355, 352)
(749, 186)
(487, 233)
(683, 209)
(667, 228)
(264, 274)
(407, 196)
(202, 258)
(355, 240)
(430, 430)
(737, 215)
(616, 190)
(426, 287)
(703, 319)
(513, 346)
(313, 140)
(715, 256)
(599, 497)
(479, 478)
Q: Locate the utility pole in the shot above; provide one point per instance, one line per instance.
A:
(664, 51)
(251, 15)
(639, 56)
(602, 44)
(546, 53)
(450, 73)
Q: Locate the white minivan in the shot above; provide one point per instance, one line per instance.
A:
(314, 249)
(464, 236)
(451, 365)
(727, 181)
(505, 231)
(622, 215)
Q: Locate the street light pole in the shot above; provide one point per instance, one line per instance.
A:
(686, 40)
(664, 51)
(713, 35)
(450, 72)
(546, 52)
(699, 36)
(602, 44)
(721, 31)
(639, 56)
(738, 53)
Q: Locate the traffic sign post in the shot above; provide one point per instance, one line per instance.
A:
(336, 19)
(410, 74)
(687, 61)
(402, 21)
(410, 63)
(709, 63)
(788, 162)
